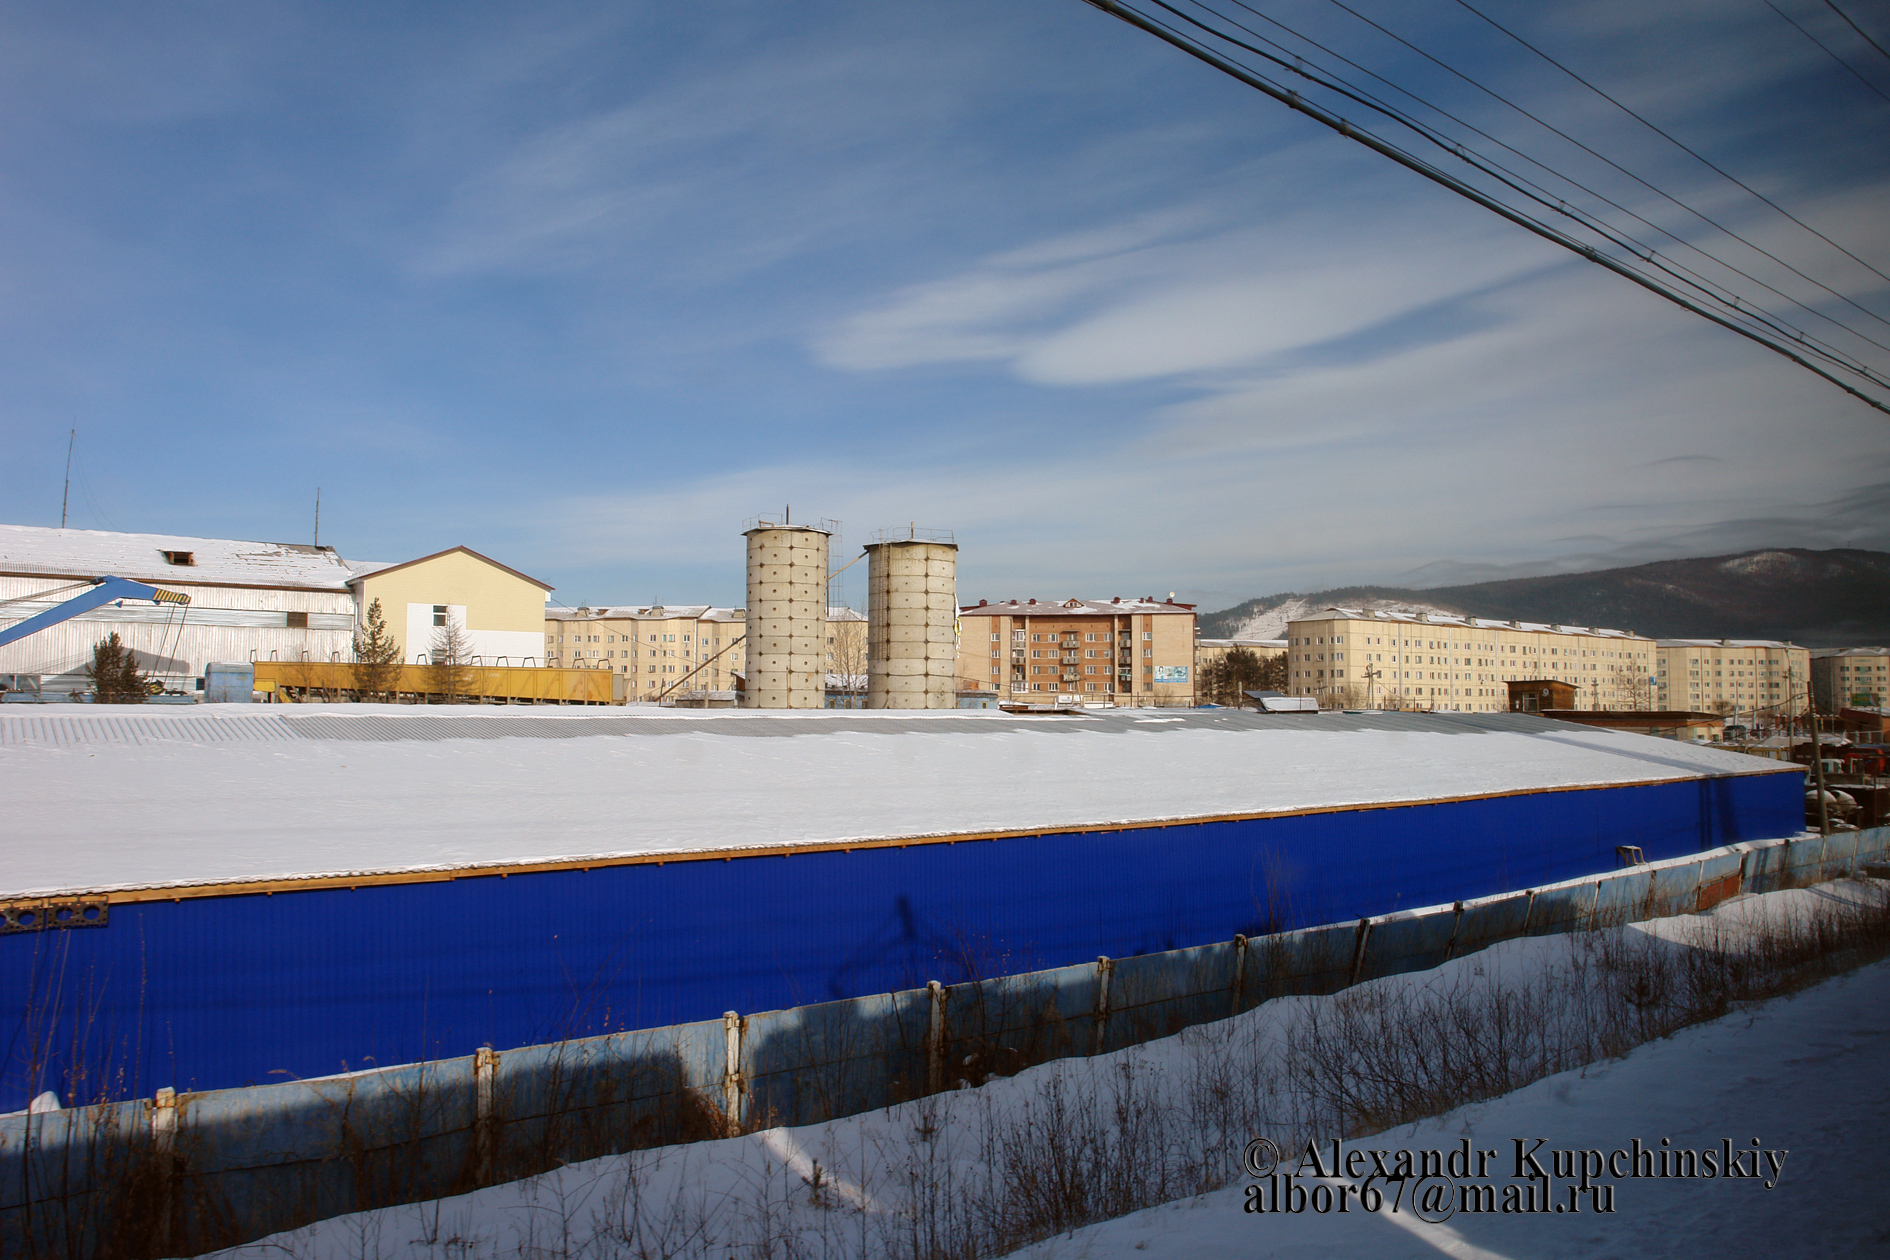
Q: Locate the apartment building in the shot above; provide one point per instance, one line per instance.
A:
(1757, 676)
(676, 649)
(1850, 678)
(660, 648)
(1131, 652)
(1358, 657)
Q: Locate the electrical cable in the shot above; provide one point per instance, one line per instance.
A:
(1641, 252)
(1827, 49)
(1645, 183)
(1693, 279)
(1676, 143)
(1865, 35)
(1325, 117)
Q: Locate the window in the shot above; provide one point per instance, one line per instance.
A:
(439, 614)
(180, 557)
(298, 621)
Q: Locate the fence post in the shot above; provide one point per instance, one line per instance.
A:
(1450, 946)
(1240, 975)
(732, 1071)
(164, 1150)
(485, 1066)
(1529, 908)
(1358, 949)
(1099, 1016)
(936, 994)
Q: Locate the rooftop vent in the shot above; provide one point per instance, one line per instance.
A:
(180, 557)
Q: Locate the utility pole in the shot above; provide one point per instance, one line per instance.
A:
(318, 516)
(66, 499)
(1817, 763)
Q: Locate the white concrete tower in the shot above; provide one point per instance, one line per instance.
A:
(787, 617)
(912, 620)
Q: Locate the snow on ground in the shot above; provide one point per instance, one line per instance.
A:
(243, 792)
(1803, 1076)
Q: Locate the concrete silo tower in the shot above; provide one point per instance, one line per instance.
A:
(787, 616)
(912, 620)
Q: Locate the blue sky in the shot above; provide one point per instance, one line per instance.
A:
(583, 286)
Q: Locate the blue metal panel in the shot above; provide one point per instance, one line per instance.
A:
(225, 991)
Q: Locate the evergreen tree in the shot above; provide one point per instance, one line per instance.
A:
(116, 678)
(376, 656)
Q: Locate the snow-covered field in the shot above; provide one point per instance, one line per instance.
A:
(1800, 1079)
(243, 792)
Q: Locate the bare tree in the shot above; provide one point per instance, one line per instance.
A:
(376, 656)
(847, 655)
(451, 656)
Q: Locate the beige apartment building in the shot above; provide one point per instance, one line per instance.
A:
(1354, 657)
(1756, 677)
(1130, 652)
(678, 649)
(1850, 678)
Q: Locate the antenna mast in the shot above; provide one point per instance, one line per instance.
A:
(318, 516)
(65, 499)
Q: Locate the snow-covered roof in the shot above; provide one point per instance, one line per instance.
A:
(1725, 643)
(234, 793)
(1072, 608)
(1827, 653)
(640, 612)
(34, 550)
(1247, 643)
(1337, 613)
(670, 612)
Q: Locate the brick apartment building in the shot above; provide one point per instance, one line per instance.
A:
(1131, 652)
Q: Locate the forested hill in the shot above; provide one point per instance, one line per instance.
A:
(1837, 598)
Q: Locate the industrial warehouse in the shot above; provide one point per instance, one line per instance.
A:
(258, 891)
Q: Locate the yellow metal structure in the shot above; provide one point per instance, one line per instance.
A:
(514, 684)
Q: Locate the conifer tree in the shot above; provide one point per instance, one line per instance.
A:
(376, 656)
(116, 678)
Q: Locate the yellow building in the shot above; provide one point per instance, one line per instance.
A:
(679, 650)
(499, 611)
(1352, 658)
(1760, 677)
(1131, 652)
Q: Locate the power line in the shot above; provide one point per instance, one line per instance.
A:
(1692, 279)
(1676, 143)
(1738, 311)
(1854, 26)
(1320, 114)
(1827, 49)
(1647, 184)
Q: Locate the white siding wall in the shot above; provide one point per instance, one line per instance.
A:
(222, 623)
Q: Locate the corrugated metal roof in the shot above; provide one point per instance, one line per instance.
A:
(300, 723)
(34, 550)
(231, 793)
